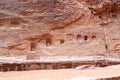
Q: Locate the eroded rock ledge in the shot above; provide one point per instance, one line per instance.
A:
(56, 62)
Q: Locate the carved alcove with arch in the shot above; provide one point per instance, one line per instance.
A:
(33, 46)
(85, 37)
(79, 37)
(93, 37)
(62, 41)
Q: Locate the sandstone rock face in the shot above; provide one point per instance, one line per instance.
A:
(60, 27)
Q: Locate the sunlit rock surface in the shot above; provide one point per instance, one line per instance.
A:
(60, 27)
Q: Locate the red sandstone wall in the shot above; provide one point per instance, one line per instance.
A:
(60, 27)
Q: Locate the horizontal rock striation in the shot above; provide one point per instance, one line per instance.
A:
(55, 65)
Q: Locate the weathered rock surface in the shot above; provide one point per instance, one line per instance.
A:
(60, 27)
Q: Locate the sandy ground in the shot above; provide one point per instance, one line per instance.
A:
(62, 74)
